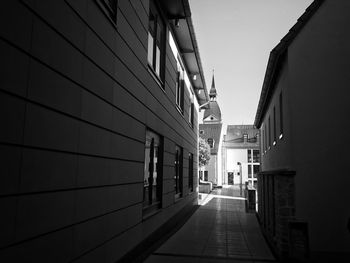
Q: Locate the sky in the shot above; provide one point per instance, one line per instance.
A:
(235, 38)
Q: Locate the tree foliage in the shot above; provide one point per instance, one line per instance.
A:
(204, 152)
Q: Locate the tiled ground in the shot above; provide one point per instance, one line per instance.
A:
(219, 231)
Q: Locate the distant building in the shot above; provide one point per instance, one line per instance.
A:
(99, 126)
(241, 155)
(303, 117)
(211, 131)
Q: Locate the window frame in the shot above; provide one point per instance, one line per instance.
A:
(149, 203)
(266, 142)
(190, 172)
(269, 135)
(180, 85)
(211, 142)
(263, 138)
(178, 176)
(206, 176)
(281, 115)
(110, 9)
(250, 171)
(274, 126)
(191, 113)
(254, 172)
(257, 160)
(158, 21)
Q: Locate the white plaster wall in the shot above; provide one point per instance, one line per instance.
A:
(234, 156)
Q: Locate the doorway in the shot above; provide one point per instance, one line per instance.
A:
(230, 178)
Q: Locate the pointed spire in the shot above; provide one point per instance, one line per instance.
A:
(212, 92)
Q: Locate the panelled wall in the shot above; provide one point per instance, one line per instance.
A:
(76, 98)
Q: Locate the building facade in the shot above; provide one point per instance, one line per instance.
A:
(302, 115)
(241, 155)
(99, 126)
(211, 131)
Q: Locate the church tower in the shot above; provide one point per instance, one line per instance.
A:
(211, 132)
(213, 114)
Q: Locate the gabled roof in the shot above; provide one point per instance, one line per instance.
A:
(276, 60)
(212, 130)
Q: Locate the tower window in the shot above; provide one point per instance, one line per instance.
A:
(211, 142)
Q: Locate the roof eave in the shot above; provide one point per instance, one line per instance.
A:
(187, 43)
(276, 59)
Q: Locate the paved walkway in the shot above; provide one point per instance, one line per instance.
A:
(219, 231)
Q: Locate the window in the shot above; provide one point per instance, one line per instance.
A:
(249, 156)
(210, 141)
(201, 175)
(281, 115)
(274, 125)
(156, 36)
(256, 170)
(201, 131)
(269, 132)
(190, 172)
(110, 8)
(256, 156)
(265, 137)
(178, 172)
(191, 112)
(152, 184)
(180, 84)
(205, 175)
(249, 171)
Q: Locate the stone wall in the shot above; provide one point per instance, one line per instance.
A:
(276, 208)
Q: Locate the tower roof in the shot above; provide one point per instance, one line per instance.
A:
(213, 111)
(212, 92)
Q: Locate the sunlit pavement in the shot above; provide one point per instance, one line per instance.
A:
(219, 231)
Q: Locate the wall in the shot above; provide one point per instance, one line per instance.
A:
(219, 161)
(211, 168)
(279, 155)
(232, 157)
(76, 97)
(319, 74)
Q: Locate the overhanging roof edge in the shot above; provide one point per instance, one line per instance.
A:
(276, 55)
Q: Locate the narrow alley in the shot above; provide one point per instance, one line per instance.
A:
(219, 231)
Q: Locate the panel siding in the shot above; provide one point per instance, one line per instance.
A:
(76, 98)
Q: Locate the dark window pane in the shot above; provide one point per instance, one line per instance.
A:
(256, 170)
(152, 183)
(281, 113)
(256, 156)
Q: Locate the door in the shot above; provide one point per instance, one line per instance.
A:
(230, 178)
